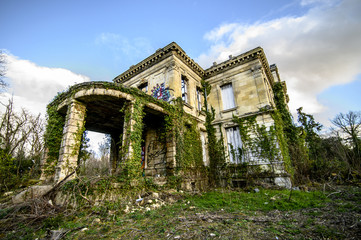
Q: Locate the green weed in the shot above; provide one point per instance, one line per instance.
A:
(265, 200)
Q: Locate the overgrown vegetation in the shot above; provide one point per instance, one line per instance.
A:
(315, 158)
(218, 214)
(307, 156)
(21, 148)
(216, 149)
(178, 125)
(130, 162)
(53, 136)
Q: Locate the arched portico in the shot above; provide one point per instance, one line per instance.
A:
(109, 108)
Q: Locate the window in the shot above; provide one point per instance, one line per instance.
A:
(184, 89)
(143, 87)
(227, 96)
(234, 144)
(199, 99)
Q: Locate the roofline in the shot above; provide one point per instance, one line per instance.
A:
(161, 54)
(239, 60)
(173, 49)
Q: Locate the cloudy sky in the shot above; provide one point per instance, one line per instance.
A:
(51, 45)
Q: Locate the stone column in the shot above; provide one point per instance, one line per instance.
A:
(114, 153)
(70, 144)
(44, 177)
(127, 129)
(126, 145)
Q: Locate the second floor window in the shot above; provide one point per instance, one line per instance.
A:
(199, 99)
(227, 96)
(184, 89)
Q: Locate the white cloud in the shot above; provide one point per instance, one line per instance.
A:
(218, 33)
(32, 87)
(322, 2)
(313, 52)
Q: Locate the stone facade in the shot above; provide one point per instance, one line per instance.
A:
(69, 149)
(240, 86)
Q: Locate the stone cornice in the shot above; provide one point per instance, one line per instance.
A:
(266, 67)
(173, 49)
(158, 56)
(243, 58)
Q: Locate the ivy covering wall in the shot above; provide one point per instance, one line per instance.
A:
(53, 137)
(270, 144)
(294, 137)
(178, 125)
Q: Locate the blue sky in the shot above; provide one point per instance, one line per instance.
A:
(68, 34)
(51, 45)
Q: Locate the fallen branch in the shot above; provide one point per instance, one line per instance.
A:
(59, 184)
(333, 193)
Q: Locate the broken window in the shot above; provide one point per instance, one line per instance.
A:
(184, 89)
(234, 144)
(227, 96)
(199, 99)
(143, 87)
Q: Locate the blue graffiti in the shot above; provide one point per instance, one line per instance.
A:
(161, 92)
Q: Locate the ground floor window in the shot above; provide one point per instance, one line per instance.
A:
(234, 144)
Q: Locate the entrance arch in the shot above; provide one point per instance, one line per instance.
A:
(109, 108)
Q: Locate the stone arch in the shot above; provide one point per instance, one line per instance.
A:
(97, 106)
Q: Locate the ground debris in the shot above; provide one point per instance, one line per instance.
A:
(337, 218)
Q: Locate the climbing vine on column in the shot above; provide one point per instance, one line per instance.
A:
(215, 146)
(133, 118)
(53, 138)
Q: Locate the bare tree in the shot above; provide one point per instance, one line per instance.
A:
(2, 69)
(21, 134)
(104, 148)
(350, 126)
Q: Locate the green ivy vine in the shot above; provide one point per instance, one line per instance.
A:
(216, 149)
(133, 116)
(53, 137)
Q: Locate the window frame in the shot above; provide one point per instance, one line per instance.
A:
(234, 143)
(184, 88)
(228, 98)
(199, 98)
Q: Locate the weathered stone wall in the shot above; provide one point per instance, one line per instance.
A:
(69, 149)
(251, 90)
(160, 73)
(169, 72)
(194, 82)
(155, 155)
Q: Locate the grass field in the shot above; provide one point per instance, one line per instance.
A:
(217, 214)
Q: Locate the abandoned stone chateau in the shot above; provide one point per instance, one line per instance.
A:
(239, 87)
